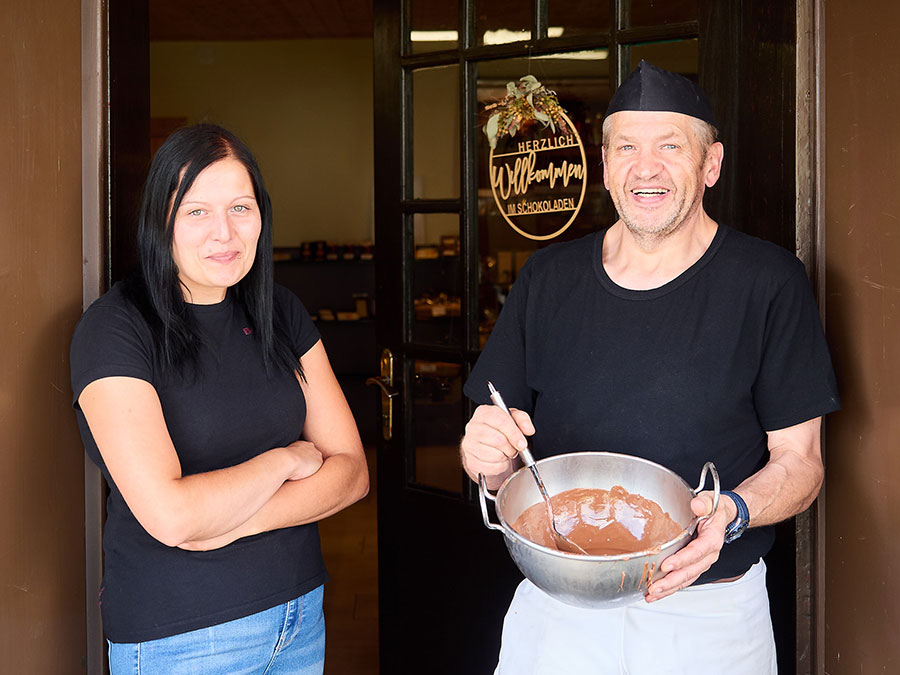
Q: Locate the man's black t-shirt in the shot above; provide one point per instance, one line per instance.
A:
(696, 370)
(228, 413)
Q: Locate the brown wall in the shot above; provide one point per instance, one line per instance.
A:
(862, 203)
(42, 596)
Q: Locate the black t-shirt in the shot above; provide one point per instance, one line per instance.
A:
(230, 412)
(696, 370)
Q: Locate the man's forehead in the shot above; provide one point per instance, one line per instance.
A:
(654, 123)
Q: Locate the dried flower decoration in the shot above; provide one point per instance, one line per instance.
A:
(526, 101)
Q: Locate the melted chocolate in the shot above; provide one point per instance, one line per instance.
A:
(602, 522)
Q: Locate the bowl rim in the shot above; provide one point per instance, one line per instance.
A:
(510, 532)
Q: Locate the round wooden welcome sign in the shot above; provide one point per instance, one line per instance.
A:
(538, 179)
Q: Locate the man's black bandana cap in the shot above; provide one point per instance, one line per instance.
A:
(649, 88)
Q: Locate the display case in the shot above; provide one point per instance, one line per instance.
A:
(340, 296)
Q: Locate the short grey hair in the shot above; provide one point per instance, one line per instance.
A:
(705, 132)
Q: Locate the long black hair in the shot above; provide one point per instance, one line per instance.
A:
(156, 289)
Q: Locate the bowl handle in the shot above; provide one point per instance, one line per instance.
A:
(482, 493)
(709, 467)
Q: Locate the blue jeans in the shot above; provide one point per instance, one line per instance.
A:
(289, 638)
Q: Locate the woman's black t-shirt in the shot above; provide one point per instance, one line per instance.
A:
(698, 369)
(227, 413)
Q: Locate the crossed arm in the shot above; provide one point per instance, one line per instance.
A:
(304, 482)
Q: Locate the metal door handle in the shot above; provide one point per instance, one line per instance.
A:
(385, 382)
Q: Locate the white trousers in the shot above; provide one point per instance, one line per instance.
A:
(713, 628)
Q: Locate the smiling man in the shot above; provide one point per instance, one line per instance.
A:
(675, 338)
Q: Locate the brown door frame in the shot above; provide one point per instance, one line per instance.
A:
(810, 241)
(94, 219)
(115, 108)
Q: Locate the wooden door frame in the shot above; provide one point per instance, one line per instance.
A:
(94, 229)
(810, 241)
(115, 60)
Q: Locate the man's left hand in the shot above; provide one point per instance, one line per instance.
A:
(685, 567)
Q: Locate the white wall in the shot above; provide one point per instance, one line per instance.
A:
(305, 109)
(436, 148)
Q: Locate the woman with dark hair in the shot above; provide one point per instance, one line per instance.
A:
(205, 396)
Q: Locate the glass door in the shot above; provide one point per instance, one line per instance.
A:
(446, 260)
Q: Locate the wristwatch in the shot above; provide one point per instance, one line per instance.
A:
(741, 522)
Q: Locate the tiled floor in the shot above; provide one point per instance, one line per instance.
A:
(350, 548)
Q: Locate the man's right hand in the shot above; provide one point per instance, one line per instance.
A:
(491, 442)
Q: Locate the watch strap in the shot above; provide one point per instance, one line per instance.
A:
(741, 522)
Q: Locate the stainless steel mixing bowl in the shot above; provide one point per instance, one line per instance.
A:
(595, 581)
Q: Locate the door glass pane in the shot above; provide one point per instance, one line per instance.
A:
(436, 133)
(433, 26)
(656, 12)
(581, 83)
(501, 21)
(437, 424)
(679, 56)
(576, 17)
(437, 279)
